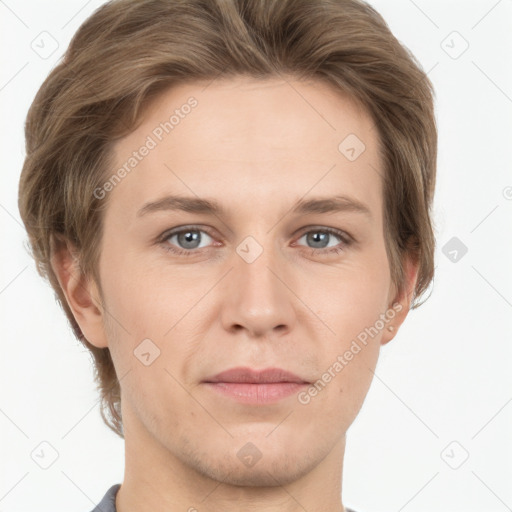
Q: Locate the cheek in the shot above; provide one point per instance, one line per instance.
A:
(351, 300)
(151, 323)
(351, 305)
(142, 301)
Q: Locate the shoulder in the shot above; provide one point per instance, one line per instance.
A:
(108, 502)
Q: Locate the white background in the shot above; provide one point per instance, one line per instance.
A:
(446, 377)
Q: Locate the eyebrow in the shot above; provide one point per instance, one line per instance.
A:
(210, 206)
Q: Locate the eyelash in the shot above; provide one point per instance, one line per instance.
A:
(346, 241)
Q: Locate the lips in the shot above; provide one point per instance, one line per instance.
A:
(244, 375)
(255, 387)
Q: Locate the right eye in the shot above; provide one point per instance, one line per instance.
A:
(185, 240)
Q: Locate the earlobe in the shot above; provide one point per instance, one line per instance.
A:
(389, 333)
(401, 303)
(81, 293)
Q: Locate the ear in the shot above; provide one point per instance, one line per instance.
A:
(82, 294)
(400, 303)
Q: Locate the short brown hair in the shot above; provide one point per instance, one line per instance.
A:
(129, 51)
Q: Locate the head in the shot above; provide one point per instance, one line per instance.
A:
(258, 108)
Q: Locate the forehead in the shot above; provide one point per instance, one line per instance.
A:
(245, 138)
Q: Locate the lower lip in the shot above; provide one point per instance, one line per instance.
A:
(257, 394)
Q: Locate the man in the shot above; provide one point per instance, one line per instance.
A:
(239, 219)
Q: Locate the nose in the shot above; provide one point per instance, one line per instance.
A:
(257, 298)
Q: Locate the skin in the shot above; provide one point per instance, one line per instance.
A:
(257, 147)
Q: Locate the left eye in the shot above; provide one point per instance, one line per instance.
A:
(320, 238)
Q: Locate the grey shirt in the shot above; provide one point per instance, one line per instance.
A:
(108, 503)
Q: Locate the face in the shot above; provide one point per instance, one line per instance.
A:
(272, 257)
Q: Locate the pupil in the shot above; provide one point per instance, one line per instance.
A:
(318, 237)
(189, 239)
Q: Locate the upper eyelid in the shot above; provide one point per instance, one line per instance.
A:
(179, 229)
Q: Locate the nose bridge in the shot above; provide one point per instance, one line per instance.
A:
(260, 301)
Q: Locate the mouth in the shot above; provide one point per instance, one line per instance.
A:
(256, 387)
